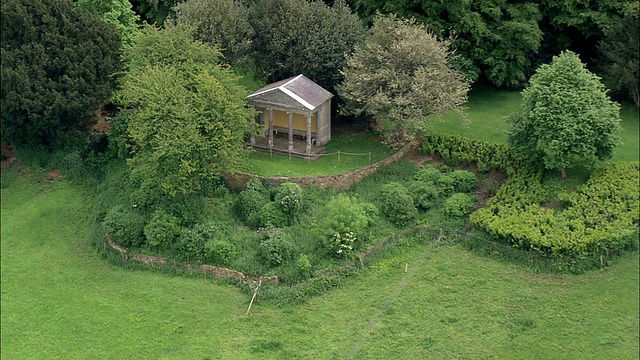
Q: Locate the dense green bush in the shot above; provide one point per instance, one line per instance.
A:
(343, 215)
(274, 246)
(485, 154)
(289, 199)
(255, 185)
(458, 205)
(248, 203)
(163, 230)
(397, 204)
(445, 185)
(125, 226)
(599, 217)
(428, 174)
(424, 195)
(464, 181)
(219, 252)
(303, 265)
(192, 242)
(269, 214)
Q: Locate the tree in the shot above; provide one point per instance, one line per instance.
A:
(155, 11)
(115, 12)
(297, 36)
(189, 118)
(57, 64)
(496, 40)
(567, 119)
(221, 23)
(401, 74)
(621, 56)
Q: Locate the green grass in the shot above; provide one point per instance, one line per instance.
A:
(487, 109)
(361, 143)
(61, 300)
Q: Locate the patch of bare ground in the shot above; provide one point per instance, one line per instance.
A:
(52, 175)
(8, 155)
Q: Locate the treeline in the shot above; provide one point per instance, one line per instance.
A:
(499, 41)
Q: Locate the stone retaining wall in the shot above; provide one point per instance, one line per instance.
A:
(338, 181)
(214, 271)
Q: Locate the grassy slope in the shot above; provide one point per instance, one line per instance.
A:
(487, 108)
(60, 300)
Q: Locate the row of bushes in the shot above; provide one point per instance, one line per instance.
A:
(600, 216)
(486, 155)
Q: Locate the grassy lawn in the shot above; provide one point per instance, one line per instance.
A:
(488, 107)
(361, 143)
(61, 300)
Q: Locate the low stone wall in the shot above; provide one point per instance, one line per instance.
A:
(338, 181)
(214, 271)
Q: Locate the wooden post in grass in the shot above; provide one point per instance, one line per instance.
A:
(255, 292)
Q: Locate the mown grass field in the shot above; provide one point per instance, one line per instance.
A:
(487, 109)
(61, 300)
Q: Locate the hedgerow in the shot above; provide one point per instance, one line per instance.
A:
(600, 216)
(485, 154)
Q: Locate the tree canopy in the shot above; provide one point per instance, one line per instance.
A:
(401, 74)
(568, 118)
(189, 118)
(621, 56)
(503, 41)
(221, 23)
(118, 13)
(57, 63)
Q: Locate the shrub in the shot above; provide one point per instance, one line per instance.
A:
(125, 226)
(464, 181)
(459, 204)
(445, 186)
(397, 204)
(345, 214)
(248, 203)
(303, 264)
(255, 185)
(289, 198)
(191, 245)
(163, 230)
(274, 247)
(428, 175)
(341, 244)
(269, 214)
(219, 252)
(600, 216)
(455, 147)
(424, 195)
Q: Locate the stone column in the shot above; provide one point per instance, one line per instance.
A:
(308, 134)
(290, 131)
(253, 137)
(270, 128)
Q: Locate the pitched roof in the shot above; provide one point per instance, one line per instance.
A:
(296, 92)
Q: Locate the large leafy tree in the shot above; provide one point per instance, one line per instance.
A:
(57, 64)
(189, 118)
(118, 13)
(568, 118)
(621, 56)
(299, 36)
(222, 23)
(497, 40)
(401, 74)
